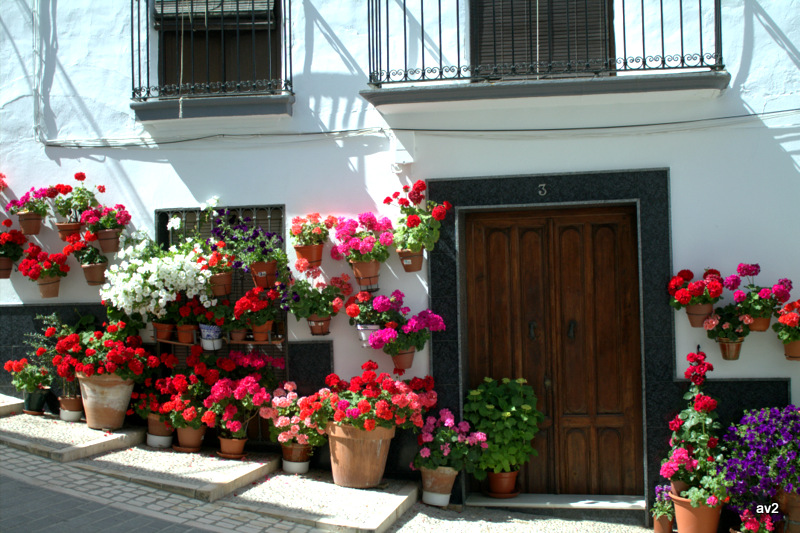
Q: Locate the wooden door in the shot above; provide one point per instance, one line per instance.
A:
(552, 296)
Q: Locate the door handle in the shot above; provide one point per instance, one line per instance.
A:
(571, 329)
(532, 329)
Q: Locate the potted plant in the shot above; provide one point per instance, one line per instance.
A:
(70, 203)
(255, 250)
(107, 223)
(506, 412)
(186, 390)
(212, 322)
(758, 303)
(212, 257)
(756, 523)
(788, 329)
(663, 510)
(93, 263)
(697, 297)
(365, 244)
(31, 208)
(318, 301)
(728, 327)
(763, 461)
(309, 234)
(446, 448)
(402, 338)
(693, 464)
(368, 318)
(361, 416)
(147, 401)
(258, 313)
(188, 312)
(11, 242)
(46, 269)
(293, 426)
(418, 227)
(33, 378)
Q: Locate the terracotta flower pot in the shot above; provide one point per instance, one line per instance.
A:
(662, 524)
(30, 223)
(296, 453)
(319, 325)
(221, 284)
(158, 428)
(264, 273)
(163, 331)
(760, 324)
(109, 240)
(238, 334)
(702, 519)
(105, 399)
(190, 439)
(70, 408)
(311, 253)
(231, 448)
(358, 457)
(367, 274)
(261, 332)
(5, 267)
(789, 505)
(411, 261)
(698, 313)
(502, 484)
(186, 333)
(678, 486)
(730, 349)
(65, 229)
(95, 274)
(404, 360)
(792, 350)
(437, 484)
(48, 286)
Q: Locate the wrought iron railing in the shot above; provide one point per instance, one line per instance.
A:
(196, 48)
(440, 40)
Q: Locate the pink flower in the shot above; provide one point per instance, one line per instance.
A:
(765, 293)
(712, 501)
(387, 238)
(425, 452)
(747, 319)
(732, 282)
(739, 296)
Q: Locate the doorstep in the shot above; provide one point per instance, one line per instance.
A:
(50, 437)
(10, 405)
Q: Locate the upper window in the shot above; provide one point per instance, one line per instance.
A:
(185, 48)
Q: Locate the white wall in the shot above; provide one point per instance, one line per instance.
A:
(734, 183)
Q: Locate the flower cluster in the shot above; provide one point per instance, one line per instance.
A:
(363, 308)
(695, 455)
(293, 417)
(365, 239)
(153, 393)
(212, 257)
(757, 302)
(662, 505)
(418, 227)
(372, 400)
(788, 326)
(727, 322)
(444, 442)
(254, 310)
(219, 314)
(28, 375)
(311, 229)
(189, 310)
(85, 253)
(247, 243)
(11, 242)
(38, 263)
(102, 217)
(34, 201)
(308, 298)
(232, 403)
(684, 291)
(72, 202)
(751, 523)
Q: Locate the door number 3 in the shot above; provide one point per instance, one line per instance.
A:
(542, 189)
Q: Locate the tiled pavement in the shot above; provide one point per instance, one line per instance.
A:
(38, 494)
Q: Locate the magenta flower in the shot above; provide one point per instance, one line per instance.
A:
(765, 293)
(425, 452)
(739, 296)
(732, 282)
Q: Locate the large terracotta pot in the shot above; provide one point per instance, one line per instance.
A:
(730, 349)
(792, 350)
(319, 325)
(404, 360)
(789, 505)
(95, 274)
(186, 333)
(105, 399)
(30, 223)
(367, 274)
(163, 331)
(261, 332)
(5, 267)
(437, 484)
(358, 457)
(311, 253)
(221, 284)
(702, 519)
(411, 261)
(662, 525)
(65, 229)
(264, 273)
(48, 286)
(109, 240)
(678, 486)
(502, 484)
(33, 402)
(698, 313)
(190, 439)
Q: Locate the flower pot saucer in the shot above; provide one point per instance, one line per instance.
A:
(183, 449)
(33, 413)
(232, 455)
(502, 495)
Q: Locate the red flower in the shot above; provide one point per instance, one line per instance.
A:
(7, 223)
(412, 221)
(676, 423)
(101, 188)
(80, 176)
(447, 205)
(439, 212)
(49, 332)
(686, 274)
(683, 296)
(369, 424)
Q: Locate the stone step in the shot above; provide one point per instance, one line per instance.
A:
(9, 405)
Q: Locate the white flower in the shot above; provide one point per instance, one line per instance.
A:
(174, 223)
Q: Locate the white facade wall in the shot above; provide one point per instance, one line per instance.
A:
(735, 186)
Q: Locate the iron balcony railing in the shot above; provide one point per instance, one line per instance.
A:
(439, 40)
(195, 48)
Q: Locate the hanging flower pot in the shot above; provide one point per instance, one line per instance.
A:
(311, 253)
(48, 286)
(33, 402)
(95, 274)
(5, 267)
(296, 458)
(70, 408)
(702, 519)
(503, 484)
(792, 350)
(367, 274)
(364, 331)
(186, 333)
(411, 261)
(319, 325)
(231, 448)
(404, 360)
(189, 439)
(264, 273)
(698, 313)
(221, 284)
(760, 324)
(358, 457)
(105, 399)
(163, 331)
(109, 240)
(65, 229)
(730, 349)
(261, 332)
(30, 223)
(437, 484)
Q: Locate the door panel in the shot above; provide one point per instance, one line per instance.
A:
(552, 296)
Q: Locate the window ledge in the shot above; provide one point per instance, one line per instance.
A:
(622, 84)
(214, 106)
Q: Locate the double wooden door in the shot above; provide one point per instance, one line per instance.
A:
(552, 296)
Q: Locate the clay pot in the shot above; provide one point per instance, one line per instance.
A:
(109, 240)
(367, 274)
(404, 360)
(190, 439)
(238, 334)
(163, 331)
(411, 261)
(158, 428)
(678, 486)
(186, 333)
(502, 484)
(702, 519)
(437, 484)
(261, 332)
(789, 505)
(662, 525)
(95, 274)
(232, 448)
(319, 325)
(105, 399)
(792, 350)
(65, 229)
(264, 273)
(311, 253)
(358, 457)
(49, 286)
(760, 324)
(698, 313)
(30, 223)
(221, 284)
(297, 453)
(730, 349)
(5, 267)
(70, 408)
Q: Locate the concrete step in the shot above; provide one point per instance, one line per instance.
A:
(9, 405)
